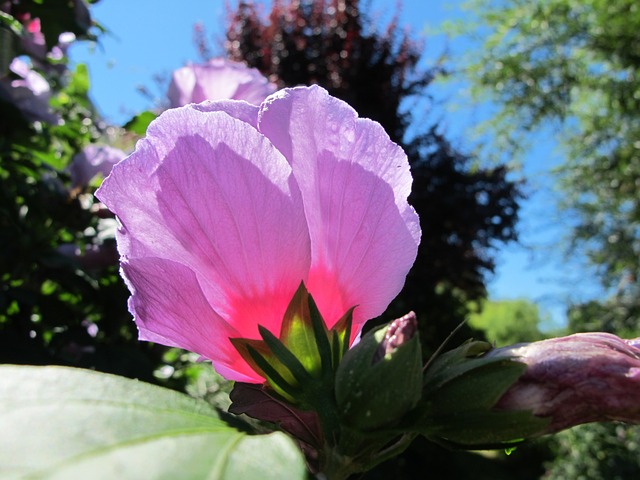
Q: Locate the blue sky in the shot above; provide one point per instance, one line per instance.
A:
(148, 38)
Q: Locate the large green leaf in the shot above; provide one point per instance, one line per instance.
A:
(59, 422)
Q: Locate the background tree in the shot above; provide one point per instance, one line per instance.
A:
(597, 451)
(465, 209)
(617, 315)
(573, 64)
(507, 322)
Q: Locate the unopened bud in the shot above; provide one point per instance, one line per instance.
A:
(484, 399)
(399, 332)
(582, 378)
(380, 379)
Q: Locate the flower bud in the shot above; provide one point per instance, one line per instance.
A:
(380, 379)
(478, 397)
(582, 378)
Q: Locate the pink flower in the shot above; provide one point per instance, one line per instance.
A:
(29, 92)
(93, 160)
(33, 40)
(225, 207)
(34, 44)
(219, 79)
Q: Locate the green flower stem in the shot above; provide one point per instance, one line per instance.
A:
(392, 451)
(319, 397)
(328, 415)
(360, 454)
(336, 466)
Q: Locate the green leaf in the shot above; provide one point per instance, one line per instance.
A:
(140, 122)
(61, 422)
(80, 81)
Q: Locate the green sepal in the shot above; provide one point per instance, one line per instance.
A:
(284, 355)
(454, 363)
(461, 389)
(486, 430)
(341, 336)
(242, 346)
(280, 384)
(321, 333)
(260, 358)
(480, 387)
(296, 331)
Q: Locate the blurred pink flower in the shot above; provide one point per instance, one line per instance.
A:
(91, 161)
(34, 44)
(33, 40)
(29, 92)
(225, 207)
(218, 79)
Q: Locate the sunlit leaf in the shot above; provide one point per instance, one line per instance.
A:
(80, 80)
(140, 122)
(60, 422)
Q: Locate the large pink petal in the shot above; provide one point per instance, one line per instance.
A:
(354, 183)
(223, 203)
(170, 308)
(239, 110)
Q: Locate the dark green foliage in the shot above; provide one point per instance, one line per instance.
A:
(425, 460)
(596, 452)
(618, 316)
(465, 209)
(56, 16)
(62, 300)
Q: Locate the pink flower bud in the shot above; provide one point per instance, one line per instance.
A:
(586, 377)
(400, 331)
